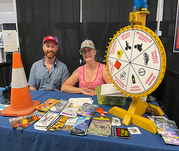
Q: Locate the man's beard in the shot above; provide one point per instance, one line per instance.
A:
(52, 55)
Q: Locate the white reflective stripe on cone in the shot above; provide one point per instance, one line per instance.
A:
(18, 78)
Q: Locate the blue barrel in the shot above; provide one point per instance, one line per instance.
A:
(140, 5)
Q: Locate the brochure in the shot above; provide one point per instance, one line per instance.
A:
(70, 110)
(69, 123)
(57, 125)
(154, 118)
(58, 107)
(87, 109)
(110, 90)
(45, 106)
(45, 121)
(100, 126)
(22, 122)
(168, 130)
(53, 123)
(81, 101)
(73, 105)
(170, 140)
(163, 125)
(81, 126)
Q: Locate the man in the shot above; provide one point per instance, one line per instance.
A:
(49, 73)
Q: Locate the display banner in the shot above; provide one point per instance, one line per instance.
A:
(176, 38)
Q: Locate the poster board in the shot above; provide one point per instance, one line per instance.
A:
(10, 40)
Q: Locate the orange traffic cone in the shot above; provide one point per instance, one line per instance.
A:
(21, 101)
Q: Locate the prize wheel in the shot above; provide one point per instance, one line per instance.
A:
(136, 61)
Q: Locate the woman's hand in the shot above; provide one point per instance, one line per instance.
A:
(87, 91)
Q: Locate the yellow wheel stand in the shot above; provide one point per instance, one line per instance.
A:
(123, 65)
(137, 108)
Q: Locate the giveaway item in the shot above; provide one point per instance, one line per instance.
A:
(70, 110)
(168, 130)
(171, 140)
(154, 118)
(73, 106)
(102, 112)
(134, 130)
(100, 126)
(116, 121)
(81, 126)
(111, 97)
(46, 121)
(22, 122)
(58, 124)
(58, 107)
(119, 132)
(163, 125)
(45, 106)
(69, 123)
(87, 109)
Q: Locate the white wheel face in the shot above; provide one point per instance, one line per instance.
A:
(134, 61)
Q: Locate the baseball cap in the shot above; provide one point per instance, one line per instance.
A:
(50, 38)
(87, 43)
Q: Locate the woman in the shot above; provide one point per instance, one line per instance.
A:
(89, 75)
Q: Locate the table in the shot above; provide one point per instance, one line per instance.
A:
(34, 140)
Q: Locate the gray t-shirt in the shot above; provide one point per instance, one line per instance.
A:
(43, 80)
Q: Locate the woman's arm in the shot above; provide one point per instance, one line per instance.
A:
(68, 86)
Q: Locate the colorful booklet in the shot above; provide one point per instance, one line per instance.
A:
(22, 122)
(170, 140)
(69, 123)
(87, 109)
(100, 126)
(45, 106)
(81, 126)
(168, 130)
(46, 121)
(163, 125)
(154, 118)
(58, 124)
(73, 106)
(58, 107)
(70, 110)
